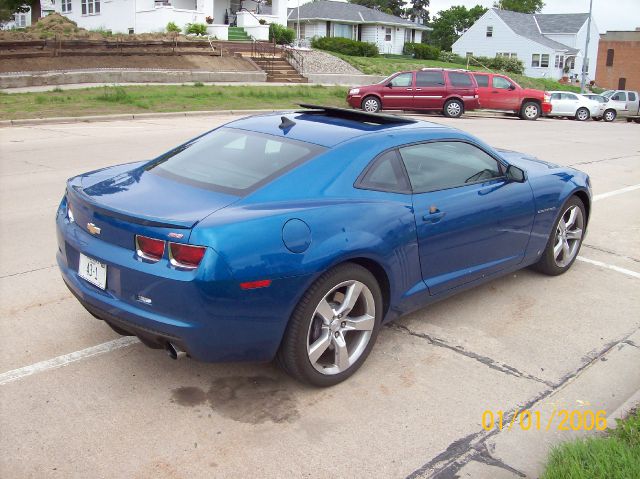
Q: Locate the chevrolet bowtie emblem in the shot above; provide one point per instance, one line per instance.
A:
(93, 229)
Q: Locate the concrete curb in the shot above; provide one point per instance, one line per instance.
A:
(128, 116)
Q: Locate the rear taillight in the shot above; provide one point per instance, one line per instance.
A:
(185, 255)
(547, 97)
(149, 248)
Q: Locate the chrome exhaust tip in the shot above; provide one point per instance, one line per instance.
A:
(175, 352)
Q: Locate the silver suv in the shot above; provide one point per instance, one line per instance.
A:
(623, 103)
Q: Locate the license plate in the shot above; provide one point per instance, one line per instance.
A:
(93, 271)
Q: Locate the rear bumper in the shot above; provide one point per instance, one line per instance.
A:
(213, 320)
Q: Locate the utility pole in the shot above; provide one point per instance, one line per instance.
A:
(586, 50)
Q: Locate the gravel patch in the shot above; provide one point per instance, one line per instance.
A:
(316, 61)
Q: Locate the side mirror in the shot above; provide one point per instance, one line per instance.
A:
(512, 87)
(514, 173)
(389, 85)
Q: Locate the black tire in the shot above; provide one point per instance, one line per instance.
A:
(547, 262)
(582, 114)
(609, 115)
(530, 111)
(371, 104)
(636, 120)
(453, 108)
(293, 355)
(629, 120)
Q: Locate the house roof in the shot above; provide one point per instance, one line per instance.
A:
(528, 25)
(350, 13)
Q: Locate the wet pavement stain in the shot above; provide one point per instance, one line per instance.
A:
(252, 400)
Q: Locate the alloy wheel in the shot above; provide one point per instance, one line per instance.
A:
(582, 114)
(341, 327)
(609, 115)
(531, 111)
(568, 236)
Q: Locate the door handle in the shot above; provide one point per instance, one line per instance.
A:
(409, 89)
(418, 89)
(434, 215)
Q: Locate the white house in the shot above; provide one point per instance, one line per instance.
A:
(23, 20)
(147, 16)
(546, 43)
(326, 18)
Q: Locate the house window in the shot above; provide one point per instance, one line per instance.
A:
(544, 61)
(559, 63)
(342, 30)
(90, 7)
(20, 19)
(407, 35)
(387, 34)
(535, 60)
(507, 55)
(66, 6)
(610, 57)
(489, 31)
(572, 63)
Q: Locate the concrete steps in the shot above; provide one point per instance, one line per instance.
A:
(279, 70)
(238, 34)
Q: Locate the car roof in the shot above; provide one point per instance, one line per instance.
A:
(328, 126)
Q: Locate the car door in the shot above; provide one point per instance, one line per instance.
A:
(632, 103)
(504, 94)
(557, 103)
(484, 91)
(571, 103)
(471, 220)
(397, 94)
(430, 90)
(619, 102)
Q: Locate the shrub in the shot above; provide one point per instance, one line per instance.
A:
(196, 28)
(262, 21)
(408, 48)
(451, 57)
(425, 52)
(511, 65)
(345, 46)
(173, 28)
(280, 34)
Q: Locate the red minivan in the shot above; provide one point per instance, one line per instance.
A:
(449, 91)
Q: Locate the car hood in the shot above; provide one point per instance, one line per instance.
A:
(533, 93)
(137, 195)
(528, 163)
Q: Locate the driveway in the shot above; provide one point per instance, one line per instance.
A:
(76, 400)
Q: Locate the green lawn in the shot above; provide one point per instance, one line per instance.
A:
(616, 456)
(386, 65)
(170, 98)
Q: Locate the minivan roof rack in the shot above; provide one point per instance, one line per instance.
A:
(356, 115)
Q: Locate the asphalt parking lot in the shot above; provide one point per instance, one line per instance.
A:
(76, 400)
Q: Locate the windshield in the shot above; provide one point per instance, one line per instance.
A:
(608, 94)
(233, 161)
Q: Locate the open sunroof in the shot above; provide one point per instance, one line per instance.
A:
(356, 115)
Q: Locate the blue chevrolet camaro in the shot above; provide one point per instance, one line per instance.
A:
(297, 235)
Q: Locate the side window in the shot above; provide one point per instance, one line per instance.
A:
(632, 96)
(501, 83)
(447, 164)
(569, 96)
(483, 80)
(460, 79)
(429, 78)
(556, 96)
(404, 79)
(385, 175)
(620, 96)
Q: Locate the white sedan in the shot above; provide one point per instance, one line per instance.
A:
(574, 105)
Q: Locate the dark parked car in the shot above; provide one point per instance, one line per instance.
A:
(449, 91)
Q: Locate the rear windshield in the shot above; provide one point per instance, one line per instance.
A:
(233, 161)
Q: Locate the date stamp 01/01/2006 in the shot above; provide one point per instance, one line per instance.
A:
(560, 419)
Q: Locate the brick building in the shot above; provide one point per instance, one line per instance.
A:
(619, 60)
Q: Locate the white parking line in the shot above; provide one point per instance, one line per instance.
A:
(65, 359)
(609, 266)
(627, 189)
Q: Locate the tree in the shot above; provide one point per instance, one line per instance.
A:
(450, 24)
(9, 7)
(418, 11)
(522, 6)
